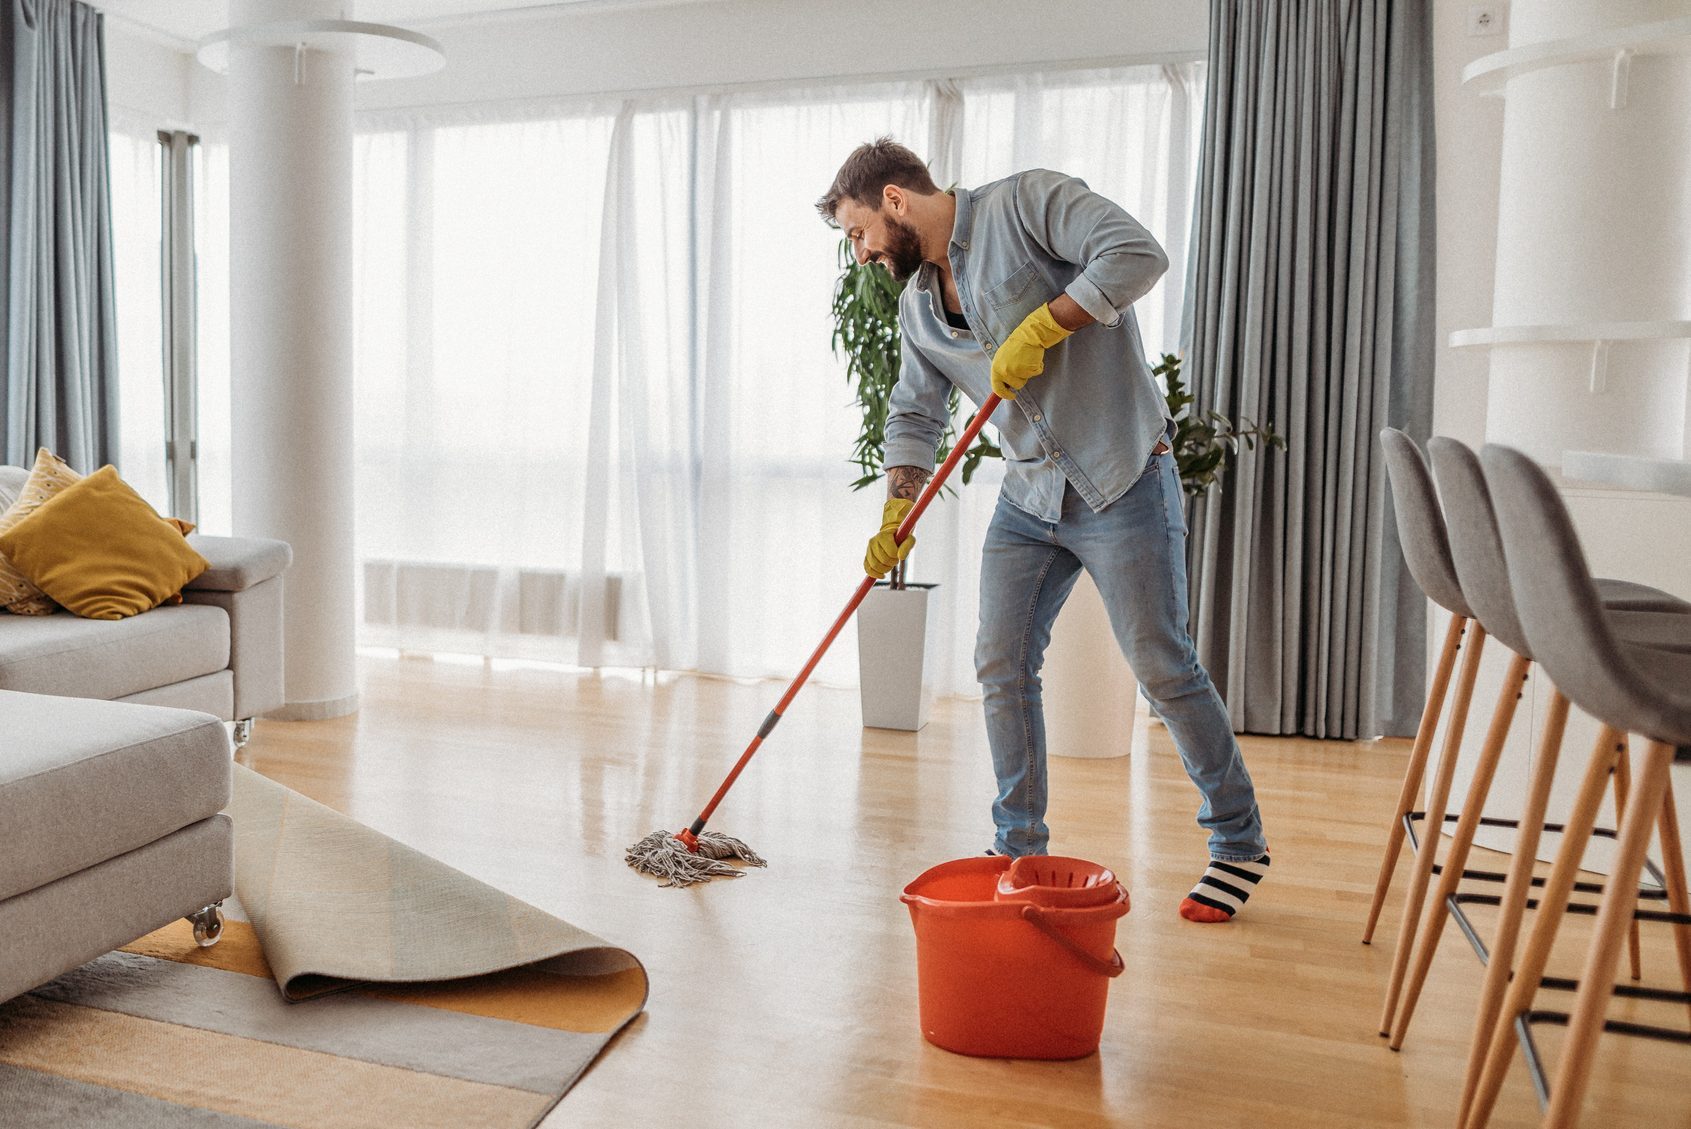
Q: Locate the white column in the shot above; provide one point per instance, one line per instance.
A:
(291, 336)
(1091, 696)
(1594, 226)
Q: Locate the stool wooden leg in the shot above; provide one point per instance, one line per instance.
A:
(1597, 982)
(1417, 770)
(1552, 904)
(1623, 789)
(1431, 932)
(1434, 826)
(1673, 870)
(1515, 893)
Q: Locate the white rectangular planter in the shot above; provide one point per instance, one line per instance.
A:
(1090, 695)
(893, 629)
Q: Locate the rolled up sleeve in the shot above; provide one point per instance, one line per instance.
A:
(917, 410)
(1120, 261)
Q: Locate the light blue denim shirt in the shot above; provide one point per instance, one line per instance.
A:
(1094, 416)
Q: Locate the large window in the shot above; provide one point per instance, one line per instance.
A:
(599, 417)
(137, 213)
(211, 262)
(154, 213)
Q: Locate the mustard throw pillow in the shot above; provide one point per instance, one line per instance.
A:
(101, 551)
(50, 476)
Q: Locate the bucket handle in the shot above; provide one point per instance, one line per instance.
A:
(1111, 967)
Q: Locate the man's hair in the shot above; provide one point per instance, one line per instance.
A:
(870, 168)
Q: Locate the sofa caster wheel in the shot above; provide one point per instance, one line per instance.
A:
(208, 925)
(243, 732)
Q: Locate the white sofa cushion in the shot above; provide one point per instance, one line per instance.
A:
(83, 781)
(90, 658)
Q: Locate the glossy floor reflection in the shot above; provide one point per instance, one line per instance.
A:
(788, 998)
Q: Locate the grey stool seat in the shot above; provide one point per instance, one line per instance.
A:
(1477, 597)
(1631, 596)
(1658, 699)
(1659, 673)
(1634, 688)
(1420, 523)
(1656, 631)
(1476, 549)
(1426, 551)
(1630, 688)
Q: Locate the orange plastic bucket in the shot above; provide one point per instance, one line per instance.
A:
(1014, 960)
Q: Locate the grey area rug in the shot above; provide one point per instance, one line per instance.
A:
(373, 986)
(335, 904)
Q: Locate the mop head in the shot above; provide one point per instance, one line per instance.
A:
(663, 855)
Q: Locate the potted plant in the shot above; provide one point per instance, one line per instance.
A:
(1205, 442)
(893, 623)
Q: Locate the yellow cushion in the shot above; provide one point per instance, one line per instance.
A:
(101, 551)
(51, 475)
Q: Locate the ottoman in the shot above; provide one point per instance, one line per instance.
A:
(109, 829)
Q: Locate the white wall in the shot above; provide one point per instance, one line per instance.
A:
(1469, 136)
(146, 77)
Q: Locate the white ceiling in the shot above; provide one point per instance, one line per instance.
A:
(185, 22)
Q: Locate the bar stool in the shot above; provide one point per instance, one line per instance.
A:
(1477, 552)
(1629, 688)
(1426, 549)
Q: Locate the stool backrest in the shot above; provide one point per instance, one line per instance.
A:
(1563, 615)
(1475, 545)
(1420, 522)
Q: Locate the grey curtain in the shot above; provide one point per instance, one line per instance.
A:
(59, 329)
(1310, 305)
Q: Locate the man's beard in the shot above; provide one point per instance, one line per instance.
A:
(903, 255)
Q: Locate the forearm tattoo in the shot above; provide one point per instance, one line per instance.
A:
(906, 481)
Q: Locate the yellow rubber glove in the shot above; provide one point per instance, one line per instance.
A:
(883, 552)
(1022, 356)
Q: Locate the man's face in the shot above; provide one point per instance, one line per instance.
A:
(879, 236)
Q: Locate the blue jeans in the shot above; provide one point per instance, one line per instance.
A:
(1135, 552)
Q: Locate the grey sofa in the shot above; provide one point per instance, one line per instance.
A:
(109, 829)
(109, 809)
(219, 651)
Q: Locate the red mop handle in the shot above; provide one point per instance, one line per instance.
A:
(964, 442)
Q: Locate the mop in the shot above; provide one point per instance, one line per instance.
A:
(695, 855)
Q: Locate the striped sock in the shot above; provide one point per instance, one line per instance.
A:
(1223, 890)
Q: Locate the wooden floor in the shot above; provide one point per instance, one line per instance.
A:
(788, 997)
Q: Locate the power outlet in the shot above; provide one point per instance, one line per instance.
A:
(1485, 19)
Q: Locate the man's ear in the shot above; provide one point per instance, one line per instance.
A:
(895, 199)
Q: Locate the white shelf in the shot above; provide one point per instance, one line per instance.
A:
(1580, 332)
(1490, 74)
(379, 50)
(1598, 335)
(1633, 472)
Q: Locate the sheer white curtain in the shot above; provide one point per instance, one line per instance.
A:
(476, 281)
(137, 218)
(137, 222)
(211, 271)
(599, 417)
(781, 530)
(1130, 133)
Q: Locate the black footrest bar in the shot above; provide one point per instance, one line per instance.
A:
(1613, 1027)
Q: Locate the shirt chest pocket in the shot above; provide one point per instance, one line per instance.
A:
(1012, 293)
